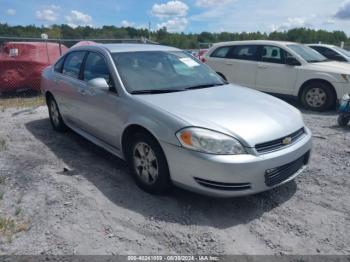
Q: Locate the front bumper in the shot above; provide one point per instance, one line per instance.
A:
(239, 175)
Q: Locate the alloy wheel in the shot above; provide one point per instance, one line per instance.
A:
(55, 116)
(145, 163)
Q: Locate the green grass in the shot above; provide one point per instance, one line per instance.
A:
(9, 227)
(21, 102)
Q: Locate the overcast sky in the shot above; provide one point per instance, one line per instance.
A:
(184, 15)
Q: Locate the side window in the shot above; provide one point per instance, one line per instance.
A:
(272, 54)
(96, 67)
(329, 53)
(221, 52)
(243, 52)
(73, 63)
(58, 66)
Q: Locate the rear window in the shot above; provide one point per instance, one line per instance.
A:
(221, 52)
(58, 66)
(73, 63)
(244, 52)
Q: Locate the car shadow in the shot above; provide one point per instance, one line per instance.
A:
(110, 176)
(294, 102)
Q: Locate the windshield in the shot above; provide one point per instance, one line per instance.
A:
(163, 71)
(309, 54)
(342, 51)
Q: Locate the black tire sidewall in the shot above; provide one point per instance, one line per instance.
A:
(163, 182)
(61, 127)
(330, 100)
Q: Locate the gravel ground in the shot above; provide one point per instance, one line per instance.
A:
(60, 194)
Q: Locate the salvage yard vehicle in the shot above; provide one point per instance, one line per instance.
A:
(282, 68)
(344, 111)
(175, 121)
(332, 52)
(21, 64)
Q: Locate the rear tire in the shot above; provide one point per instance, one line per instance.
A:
(55, 116)
(148, 165)
(343, 120)
(318, 96)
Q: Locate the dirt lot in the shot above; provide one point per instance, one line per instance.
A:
(59, 194)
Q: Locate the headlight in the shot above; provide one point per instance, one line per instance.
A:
(346, 77)
(208, 141)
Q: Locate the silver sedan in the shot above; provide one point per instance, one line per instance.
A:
(175, 121)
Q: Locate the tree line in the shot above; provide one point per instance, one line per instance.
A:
(162, 36)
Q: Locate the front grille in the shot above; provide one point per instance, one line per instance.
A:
(280, 174)
(223, 186)
(278, 143)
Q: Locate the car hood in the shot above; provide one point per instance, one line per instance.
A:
(331, 67)
(251, 116)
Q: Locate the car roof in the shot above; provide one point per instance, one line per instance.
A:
(254, 42)
(118, 48)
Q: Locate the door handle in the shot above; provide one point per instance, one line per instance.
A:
(228, 63)
(262, 66)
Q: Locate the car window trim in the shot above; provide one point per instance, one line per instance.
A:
(112, 88)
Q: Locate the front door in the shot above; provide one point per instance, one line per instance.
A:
(273, 74)
(99, 108)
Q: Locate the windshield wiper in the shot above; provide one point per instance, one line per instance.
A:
(155, 91)
(203, 86)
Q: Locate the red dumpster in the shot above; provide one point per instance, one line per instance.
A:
(21, 64)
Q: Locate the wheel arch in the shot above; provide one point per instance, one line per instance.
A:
(129, 132)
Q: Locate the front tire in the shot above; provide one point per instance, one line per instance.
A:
(55, 116)
(318, 96)
(148, 165)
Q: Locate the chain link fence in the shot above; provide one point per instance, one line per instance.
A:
(22, 61)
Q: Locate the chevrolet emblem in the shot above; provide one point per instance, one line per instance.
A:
(287, 141)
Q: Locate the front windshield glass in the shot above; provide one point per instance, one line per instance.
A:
(163, 71)
(342, 51)
(309, 54)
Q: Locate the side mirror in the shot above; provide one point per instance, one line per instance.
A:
(99, 83)
(292, 61)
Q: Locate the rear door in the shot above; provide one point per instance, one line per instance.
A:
(219, 62)
(273, 74)
(242, 63)
(68, 85)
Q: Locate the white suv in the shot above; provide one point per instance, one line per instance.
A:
(283, 68)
